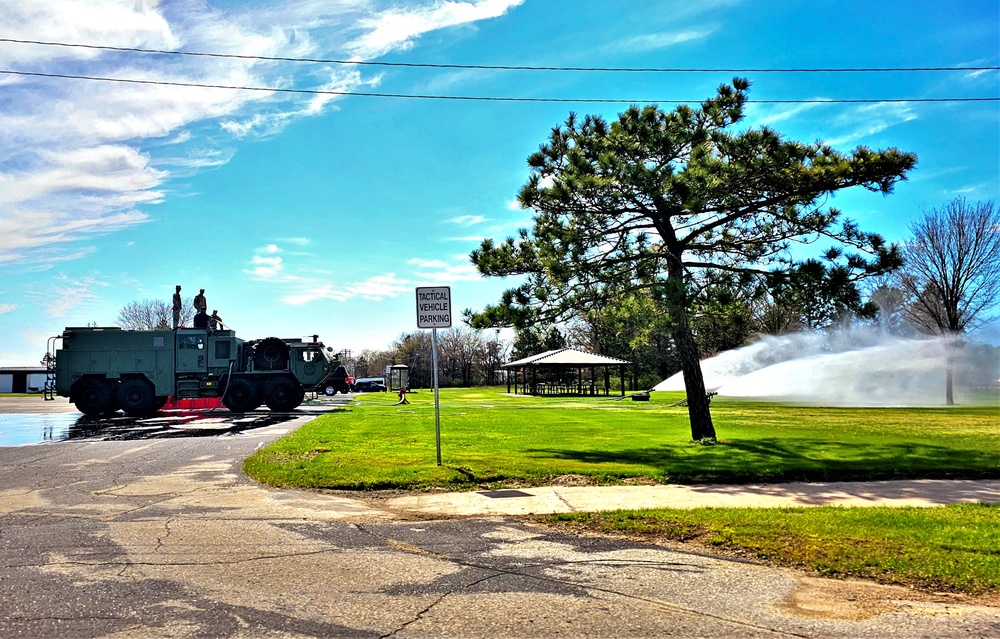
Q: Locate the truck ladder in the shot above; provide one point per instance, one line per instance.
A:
(49, 392)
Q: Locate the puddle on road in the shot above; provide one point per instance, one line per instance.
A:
(20, 430)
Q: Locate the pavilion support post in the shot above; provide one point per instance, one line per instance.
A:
(621, 368)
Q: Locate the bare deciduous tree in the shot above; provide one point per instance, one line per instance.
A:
(952, 271)
(491, 358)
(372, 363)
(149, 314)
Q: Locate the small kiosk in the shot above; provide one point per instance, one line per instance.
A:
(399, 377)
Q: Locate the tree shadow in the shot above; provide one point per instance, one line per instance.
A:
(784, 460)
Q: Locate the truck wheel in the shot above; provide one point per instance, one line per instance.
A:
(283, 394)
(136, 398)
(241, 396)
(271, 354)
(94, 397)
(330, 390)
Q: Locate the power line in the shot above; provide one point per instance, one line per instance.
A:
(474, 98)
(499, 67)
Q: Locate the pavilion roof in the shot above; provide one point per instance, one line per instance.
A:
(566, 357)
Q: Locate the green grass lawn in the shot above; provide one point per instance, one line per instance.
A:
(952, 548)
(492, 439)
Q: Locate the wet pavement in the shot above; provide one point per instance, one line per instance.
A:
(20, 429)
(25, 425)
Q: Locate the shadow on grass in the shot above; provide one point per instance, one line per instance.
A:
(778, 460)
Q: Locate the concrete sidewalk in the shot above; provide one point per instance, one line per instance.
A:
(560, 499)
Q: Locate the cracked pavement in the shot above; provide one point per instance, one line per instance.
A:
(166, 538)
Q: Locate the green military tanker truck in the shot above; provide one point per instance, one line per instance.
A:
(103, 370)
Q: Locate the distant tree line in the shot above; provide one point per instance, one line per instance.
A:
(466, 357)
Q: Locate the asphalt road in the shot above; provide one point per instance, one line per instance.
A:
(166, 538)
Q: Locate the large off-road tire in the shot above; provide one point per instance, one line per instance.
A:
(137, 398)
(270, 354)
(94, 397)
(282, 394)
(241, 396)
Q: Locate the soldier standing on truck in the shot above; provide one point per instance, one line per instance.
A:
(177, 307)
(200, 303)
(214, 321)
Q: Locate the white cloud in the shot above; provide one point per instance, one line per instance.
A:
(838, 125)
(271, 262)
(67, 294)
(984, 189)
(468, 220)
(656, 41)
(876, 118)
(766, 115)
(397, 28)
(196, 160)
(301, 283)
(375, 288)
(180, 138)
(7, 308)
(267, 266)
(79, 158)
(441, 272)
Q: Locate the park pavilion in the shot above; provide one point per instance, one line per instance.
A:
(562, 372)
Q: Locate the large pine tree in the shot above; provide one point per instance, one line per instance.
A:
(652, 199)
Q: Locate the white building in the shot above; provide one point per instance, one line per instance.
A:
(22, 379)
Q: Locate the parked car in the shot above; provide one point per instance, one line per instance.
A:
(340, 381)
(370, 385)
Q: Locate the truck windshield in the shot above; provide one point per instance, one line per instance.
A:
(190, 342)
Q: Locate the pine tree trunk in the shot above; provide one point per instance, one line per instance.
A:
(694, 381)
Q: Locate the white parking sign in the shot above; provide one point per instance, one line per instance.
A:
(434, 307)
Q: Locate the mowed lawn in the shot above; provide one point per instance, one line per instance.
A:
(489, 438)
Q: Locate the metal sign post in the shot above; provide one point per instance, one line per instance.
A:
(437, 403)
(434, 312)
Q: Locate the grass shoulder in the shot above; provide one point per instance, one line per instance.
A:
(949, 548)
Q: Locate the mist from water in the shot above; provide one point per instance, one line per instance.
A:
(858, 366)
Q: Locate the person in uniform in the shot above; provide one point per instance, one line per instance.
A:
(177, 307)
(214, 321)
(200, 303)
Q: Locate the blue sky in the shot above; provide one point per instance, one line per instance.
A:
(304, 214)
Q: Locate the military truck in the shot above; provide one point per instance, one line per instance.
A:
(103, 370)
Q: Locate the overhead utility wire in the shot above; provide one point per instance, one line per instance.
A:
(471, 97)
(498, 67)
